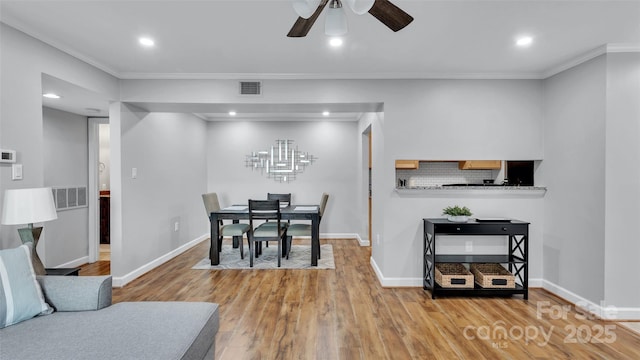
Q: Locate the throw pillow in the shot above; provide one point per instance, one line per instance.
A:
(20, 294)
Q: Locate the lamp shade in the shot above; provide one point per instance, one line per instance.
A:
(335, 23)
(305, 8)
(28, 206)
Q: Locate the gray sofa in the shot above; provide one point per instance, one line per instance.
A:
(86, 325)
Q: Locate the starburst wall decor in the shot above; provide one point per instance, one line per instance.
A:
(282, 162)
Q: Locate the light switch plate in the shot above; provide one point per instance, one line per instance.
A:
(16, 171)
(134, 173)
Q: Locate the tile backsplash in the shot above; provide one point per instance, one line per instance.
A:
(446, 172)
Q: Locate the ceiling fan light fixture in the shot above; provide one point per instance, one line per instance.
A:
(360, 7)
(305, 8)
(335, 42)
(335, 22)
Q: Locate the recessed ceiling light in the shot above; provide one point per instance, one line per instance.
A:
(232, 113)
(335, 42)
(325, 113)
(147, 42)
(51, 96)
(524, 41)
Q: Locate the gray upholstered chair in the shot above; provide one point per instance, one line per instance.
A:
(260, 210)
(304, 229)
(236, 231)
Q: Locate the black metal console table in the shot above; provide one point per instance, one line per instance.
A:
(516, 258)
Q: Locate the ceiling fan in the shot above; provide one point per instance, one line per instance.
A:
(336, 22)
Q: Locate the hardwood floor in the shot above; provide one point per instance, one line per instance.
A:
(346, 314)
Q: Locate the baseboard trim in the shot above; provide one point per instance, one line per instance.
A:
(603, 312)
(345, 236)
(535, 283)
(393, 282)
(340, 236)
(362, 242)
(418, 282)
(74, 263)
(120, 281)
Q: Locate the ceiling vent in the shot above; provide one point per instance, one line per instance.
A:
(250, 88)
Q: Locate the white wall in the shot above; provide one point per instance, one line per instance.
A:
(622, 181)
(168, 152)
(574, 174)
(423, 119)
(444, 120)
(592, 127)
(65, 165)
(23, 60)
(334, 172)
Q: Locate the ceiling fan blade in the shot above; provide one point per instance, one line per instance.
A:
(390, 15)
(302, 26)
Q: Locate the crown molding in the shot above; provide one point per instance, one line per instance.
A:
(328, 76)
(607, 48)
(20, 26)
(623, 48)
(600, 50)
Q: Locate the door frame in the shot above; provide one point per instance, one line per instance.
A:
(94, 186)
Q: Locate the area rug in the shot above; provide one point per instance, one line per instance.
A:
(299, 258)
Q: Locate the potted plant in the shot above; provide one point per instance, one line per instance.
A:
(457, 213)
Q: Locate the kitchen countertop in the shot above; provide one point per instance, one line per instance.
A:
(475, 191)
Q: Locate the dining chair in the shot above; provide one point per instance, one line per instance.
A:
(265, 210)
(212, 204)
(285, 200)
(305, 229)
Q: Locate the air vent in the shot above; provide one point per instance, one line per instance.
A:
(250, 88)
(67, 198)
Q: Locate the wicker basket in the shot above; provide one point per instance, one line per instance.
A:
(453, 275)
(493, 276)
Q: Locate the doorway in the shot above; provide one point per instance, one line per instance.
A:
(104, 168)
(369, 193)
(367, 152)
(99, 188)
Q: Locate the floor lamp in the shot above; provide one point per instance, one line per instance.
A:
(28, 206)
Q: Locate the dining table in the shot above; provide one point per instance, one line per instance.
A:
(291, 212)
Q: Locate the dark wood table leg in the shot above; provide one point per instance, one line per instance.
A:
(236, 243)
(214, 254)
(284, 244)
(315, 239)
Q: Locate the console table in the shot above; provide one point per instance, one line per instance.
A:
(516, 257)
(62, 271)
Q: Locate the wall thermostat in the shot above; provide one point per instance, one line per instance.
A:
(8, 156)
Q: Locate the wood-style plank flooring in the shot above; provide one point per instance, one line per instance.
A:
(346, 314)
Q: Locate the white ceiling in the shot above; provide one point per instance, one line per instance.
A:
(242, 39)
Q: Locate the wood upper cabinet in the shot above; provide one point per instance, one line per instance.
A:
(480, 165)
(407, 164)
